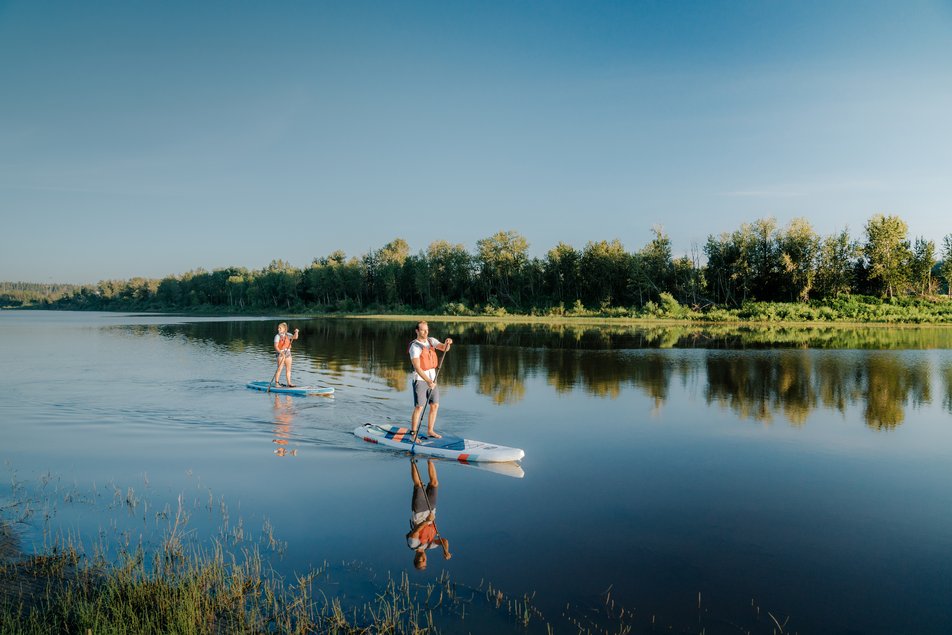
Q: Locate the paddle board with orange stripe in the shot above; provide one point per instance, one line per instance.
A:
(449, 447)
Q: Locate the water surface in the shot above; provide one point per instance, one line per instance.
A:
(808, 470)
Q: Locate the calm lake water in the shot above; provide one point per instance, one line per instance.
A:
(806, 471)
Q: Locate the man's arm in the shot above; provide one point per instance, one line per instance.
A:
(415, 532)
(419, 371)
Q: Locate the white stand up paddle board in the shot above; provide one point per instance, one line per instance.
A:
(464, 450)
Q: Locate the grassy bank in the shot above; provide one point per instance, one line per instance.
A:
(184, 583)
(847, 310)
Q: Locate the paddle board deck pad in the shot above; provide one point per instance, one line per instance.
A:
(301, 391)
(464, 450)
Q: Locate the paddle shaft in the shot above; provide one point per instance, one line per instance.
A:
(428, 506)
(274, 374)
(427, 402)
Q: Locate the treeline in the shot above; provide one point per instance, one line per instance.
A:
(14, 294)
(758, 262)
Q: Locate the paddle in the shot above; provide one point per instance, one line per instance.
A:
(273, 375)
(427, 402)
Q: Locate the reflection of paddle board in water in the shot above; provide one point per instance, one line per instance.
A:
(509, 468)
(300, 391)
(465, 450)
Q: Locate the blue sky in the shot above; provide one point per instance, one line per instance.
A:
(152, 138)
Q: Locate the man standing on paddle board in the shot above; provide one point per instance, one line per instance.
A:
(423, 534)
(423, 357)
(282, 344)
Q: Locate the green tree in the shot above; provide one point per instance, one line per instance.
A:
(835, 265)
(336, 281)
(946, 268)
(920, 266)
(717, 272)
(501, 258)
(390, 260)
(561, 274)
(887, 254)
(730, 271)
(276, 286)
(237, 287)
(605, 274)
(765, 261)
(450, 271)
(414, 281)
(655, 265)
(169, 293)
(798, 246)
(688, 279)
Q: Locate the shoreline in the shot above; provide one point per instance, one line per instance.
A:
(526, 318)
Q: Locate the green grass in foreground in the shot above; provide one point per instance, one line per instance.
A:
(226, 585)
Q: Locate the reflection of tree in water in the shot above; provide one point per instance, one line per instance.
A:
(605, 373)
(756, 382)
(599, 374)
(742, 382)
(796, 392)
(562, 368)
(889, 384)
(502, 372)
(756, 386)
(396, 378)
(838, 381)
(946, 375)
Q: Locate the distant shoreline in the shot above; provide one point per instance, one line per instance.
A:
(909, 314)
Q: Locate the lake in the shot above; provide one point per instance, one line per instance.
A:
(690, 474)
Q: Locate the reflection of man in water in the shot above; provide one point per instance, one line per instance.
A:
(283, 416)
(423, 533)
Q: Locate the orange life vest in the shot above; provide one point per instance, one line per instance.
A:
(427, 534)
(428, 359)
(284, 343)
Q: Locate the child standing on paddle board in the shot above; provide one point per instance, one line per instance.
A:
(423, 357)
(282, 344)
(423, 534)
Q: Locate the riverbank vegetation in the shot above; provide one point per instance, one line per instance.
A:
(758, 272)
(187, 582)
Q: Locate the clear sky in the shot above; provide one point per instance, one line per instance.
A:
(152, 138)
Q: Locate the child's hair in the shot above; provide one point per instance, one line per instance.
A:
(284, 324)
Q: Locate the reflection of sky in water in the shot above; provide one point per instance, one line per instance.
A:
(737, 473)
